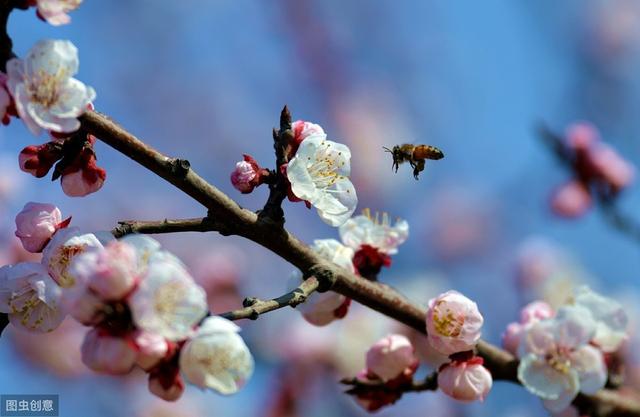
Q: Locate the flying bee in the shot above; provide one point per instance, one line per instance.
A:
(414, 154)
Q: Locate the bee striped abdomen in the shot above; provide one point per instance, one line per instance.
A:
(427, 152)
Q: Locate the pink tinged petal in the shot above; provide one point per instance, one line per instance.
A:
(76, 184)
(536, 311)
(465, 381)
(21, 98)
(592, 370)
(113, 273)
(611, 319)
(538, 338)
(107, 354)
(36, 224)
(390, 357)
(319, 309)
(511, 337)
(545, 381)
(571, 200)
(575, 326)
(151, 348)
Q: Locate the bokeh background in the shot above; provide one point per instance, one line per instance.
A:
(205, 80)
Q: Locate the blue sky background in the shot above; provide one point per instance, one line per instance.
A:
(205, 80)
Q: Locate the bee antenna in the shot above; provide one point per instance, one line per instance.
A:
(387, 149)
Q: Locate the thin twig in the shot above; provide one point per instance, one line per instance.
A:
(254, 307)
(430, 383)
(199, 224)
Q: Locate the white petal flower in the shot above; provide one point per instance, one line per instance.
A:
(319, 174)
(168, 301)
(557, 360)
(30, 297)
(60, 251)
(45, 95)
(217, 357)
(375, 232)
(321, 309)
(55, 11)
(611, 319)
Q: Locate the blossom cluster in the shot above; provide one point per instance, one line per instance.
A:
(317, 172)
(144, 308)
(367, 244)
(598, 170)
(562, 353)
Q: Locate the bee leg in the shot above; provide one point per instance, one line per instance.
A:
(418, 167)
(394, 166)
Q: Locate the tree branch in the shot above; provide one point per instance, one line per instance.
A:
(430, 383)
(126, 227)
(254, 307)
(230, 218)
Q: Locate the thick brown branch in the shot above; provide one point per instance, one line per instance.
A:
(254, 307)
(430, 383)
(231, 218)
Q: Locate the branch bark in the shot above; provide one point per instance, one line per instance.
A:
(229, 218)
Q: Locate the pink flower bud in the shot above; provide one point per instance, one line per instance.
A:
(609, 165)
(571, 200)
(581, 136)
(168, 390)
(38, 160)
(36, 223)
(536, 311)
(83, 305)
(107, 354)
(151, 347)
(511, 337)
(83, 176)
(391, 357)
(453, 323)
(247, 175)
(465, 381)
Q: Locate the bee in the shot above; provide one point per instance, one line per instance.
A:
(415, 155)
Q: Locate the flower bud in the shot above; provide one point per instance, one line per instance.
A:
(391, 357)
(38, 160)
(511, 337)
(151, 347)
(373, 399)
(611, 167)
(536, 311)
(247, 175)
(36, 223)
(571, 199)
(465, 381)
(83, 176)
(453, 323)
(581, 136)
(107, 354)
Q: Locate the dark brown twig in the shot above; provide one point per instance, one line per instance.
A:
(430, 383)
(200, 224)
(254, 307)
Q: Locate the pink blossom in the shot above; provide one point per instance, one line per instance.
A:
(247, 175)
(55, 12)
(83, 176)
(571, 199)
(391, 357)
(151, 348)
(453, 323)
(581, 136)
(301, 131)
(465, 380)
(37, 160)
(36, 223)
(511, 337)
(83, 305)
(613, 169)
(110, 271)
(107, 354)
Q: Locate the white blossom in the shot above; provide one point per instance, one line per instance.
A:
(45, 94)
(55, 11)
(319, 173)
(376, 232)
(611, 319)
(217, 357)
(30, 297)
(168, 301)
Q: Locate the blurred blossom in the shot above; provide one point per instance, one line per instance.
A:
(169, 389)
(530, 314)
(46, 95)
(55, 12)
(36, 223)
(572, 199)
(168, 301)
(218, 271)
(151, 349)
(216, 357)
(30, 297)
(321, 309)
(609, 316)
(57, 351)
(108, 354)
(465, 380)
(391, 357)
(319, 173)
(557, 361)
(7, 107)
(453, 323)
